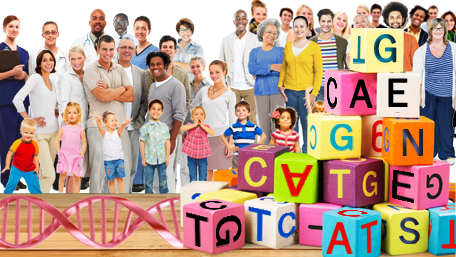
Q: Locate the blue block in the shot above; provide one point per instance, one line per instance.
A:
(442, 230)
(352, 232)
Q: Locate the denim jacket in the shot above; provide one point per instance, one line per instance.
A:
(260, 61)
(190, 50)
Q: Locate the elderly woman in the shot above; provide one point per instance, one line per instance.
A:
(436, 63)
(360, 22)
(186, 47)
(265, 62)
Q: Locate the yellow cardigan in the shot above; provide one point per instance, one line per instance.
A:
(304, 71)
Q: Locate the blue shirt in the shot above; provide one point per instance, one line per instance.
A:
(140, 60)
(10, 87)
(260, 61)
(243, 135)
(190, 50)
(155, 135)
(439, 73)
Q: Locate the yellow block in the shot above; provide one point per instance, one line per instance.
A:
(377, 50)
(228, 195)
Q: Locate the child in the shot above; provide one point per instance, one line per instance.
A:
(113, 155)
(155, 147)
(71, 154)
(243, 131)
(196, 145)
(284, 120)
(26, 163)
(318, 107)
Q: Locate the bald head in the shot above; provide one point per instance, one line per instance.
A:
(97, 22)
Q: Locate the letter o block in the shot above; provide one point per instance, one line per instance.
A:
(408, 141)
(228, 195)
(442, 230)
(332, 137)
(350, 93)
(229, 175)
(376, 50)
(256, 167)
(371, 140)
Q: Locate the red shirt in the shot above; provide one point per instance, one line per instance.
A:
(286, 139)
(23, 155)
(196, 144)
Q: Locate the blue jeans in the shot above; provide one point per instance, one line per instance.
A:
(321, 93)
(31, 179)
(296, 100)
(193, 169)
(139, 176)
(163, 179)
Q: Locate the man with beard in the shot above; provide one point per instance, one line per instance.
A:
(417, 16)
(120, 26)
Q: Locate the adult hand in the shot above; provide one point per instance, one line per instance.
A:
(282, 91)
(228, 153)
(21, 76)
(311, 100)
(56, 112)
(183, 138)
(17, 70)
(276, 67)
(40, 121)
(5, 169)
(167, 161)
(172, 146)
(102, 84)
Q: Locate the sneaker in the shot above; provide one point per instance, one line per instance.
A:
(21, 185)
(450, 160)
(138, 188)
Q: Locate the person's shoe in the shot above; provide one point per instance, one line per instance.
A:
(138, 188)
(84, 185)
(17, 188)
(450, 160)
(21, 185)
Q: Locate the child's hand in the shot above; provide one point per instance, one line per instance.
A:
(233, 148)
(96, 117)
(37, 172)
(144, 163)
(126, 122)
(167, 161)
(5, 169)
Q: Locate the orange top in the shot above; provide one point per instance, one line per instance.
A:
(410, 46)
(23, 155)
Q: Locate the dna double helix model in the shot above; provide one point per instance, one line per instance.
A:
(62, 219)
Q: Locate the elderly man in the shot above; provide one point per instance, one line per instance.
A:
(121, 23)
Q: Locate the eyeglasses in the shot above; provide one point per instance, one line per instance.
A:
(47, 33)
(271, 33)
(438, 29)
(121, 23)
(126, 47)
(186, 30)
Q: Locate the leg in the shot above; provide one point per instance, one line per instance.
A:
(203, 169)
(209, 175)
(234, 161)
(112, 186)
(139, 177)
(302, 113)
(274, 101)
(161, 168)
(62, 178)
(47, 173)
(171, 170)
(238, 94)
(184, 172)
(250, 97)
(443, 128)
(10, 123)
(149, 171)
(120, 184)
(263, 115)
(110, 175)
(74, 184)
(191, 163)
(293, 103)
(120, 175)
(15, 176)
(126, 147)
(32, 182)
(134, 142)
(321, 94)
(96, 164)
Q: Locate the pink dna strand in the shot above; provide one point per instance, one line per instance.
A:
(62, 219)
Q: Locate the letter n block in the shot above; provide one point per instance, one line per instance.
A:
(353, 182)
(453, 192)
(377, 50)
(420, 187)
(332, 137)
(296, 178)
(442, 230)
(352, 232)
(228, 195)
(371, 139)
(230, 176)
(404, 231)
(398, 95)
(214, 226)
(256, 167)
(350, 93)
(408, 141)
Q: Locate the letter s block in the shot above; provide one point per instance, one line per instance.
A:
(214, 226)
(256, 167)
(350, 93)
(371, 140)
(374, 50)
(442, 230)
(228, 195)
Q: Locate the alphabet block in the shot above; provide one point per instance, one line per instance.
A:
(258, 194)
(408, 141)
(214, 226)
(350, 93)
(386, 173)
(333, 137)
(404, 231)
(311, 222)
(374, 50)
(228, 195)
(353, 182)
(256, 167)
(420, 187)
(453, 192)
(296, 178)
(398, 95)
(230, 176)
(271, 224)
(351, 232)
(442, 230)
(371, 138)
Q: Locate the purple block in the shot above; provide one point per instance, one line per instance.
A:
(259, 194)
(256, 167)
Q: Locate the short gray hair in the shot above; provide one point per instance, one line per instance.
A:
(433, 24)
(125, 38)
(262, 27)
(199, 58)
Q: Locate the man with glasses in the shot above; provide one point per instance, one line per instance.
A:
(120, 26)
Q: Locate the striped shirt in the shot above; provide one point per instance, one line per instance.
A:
(243, 134)
(283, 139)
(328, 55)
(439, 73)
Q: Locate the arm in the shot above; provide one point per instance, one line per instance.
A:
(100, 127)
(262, 138)
(174, 132)
(57, 141)
(282, 74)
(84, 142)
(36, 160)
(142, 147)
(228, 145)
(18, 101)
(65, 89)
(16, 71)
(122, 126)
(127, 96)
(254, 67)
(207, 129)
(143, 104)
(273, 141)
(108, 94)
(183, 65)
(186, 84)
(168, 151)
(231, 109)
(297, 148)
(188, 127)
(8, 161)
(318, 67)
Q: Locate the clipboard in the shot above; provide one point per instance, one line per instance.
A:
(8, 60)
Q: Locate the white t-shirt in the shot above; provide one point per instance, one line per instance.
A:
(129, 105)
(239, 79)
(283, 37)
(298, 51)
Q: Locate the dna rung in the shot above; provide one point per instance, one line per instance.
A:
(62, 219)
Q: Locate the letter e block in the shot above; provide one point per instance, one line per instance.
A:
(230, 176)
(442, 230)
(371, 140)
(228, 195)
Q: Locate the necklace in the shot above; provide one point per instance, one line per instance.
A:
(215, 91)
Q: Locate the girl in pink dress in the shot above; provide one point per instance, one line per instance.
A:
(71, 153)
(284, 120)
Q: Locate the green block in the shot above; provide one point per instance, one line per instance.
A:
(296, 178)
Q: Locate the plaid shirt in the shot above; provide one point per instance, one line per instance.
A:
(154, 134)
(196, 144)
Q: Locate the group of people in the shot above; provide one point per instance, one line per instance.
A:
(115, 109)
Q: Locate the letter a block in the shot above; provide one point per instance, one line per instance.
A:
(256, 167)
(420, 187)
(271, 224)
(377, 50)
(352, 232)
(398, 95)
(228, 195)
(371, 141)
(442, 230)
(404, 231)
(230, 176)
(354, 182)
(214, 226)
(350, 93)
(296, 178)
(332, 137)
(408, 141)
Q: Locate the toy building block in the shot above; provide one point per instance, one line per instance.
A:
(371, 138)
(386, 174)
(420, 187)
(214, 226)
(190, 192)
(230, 176)
(398, 95)
(352, 232)
(332, 137)
(296, 178)
(271, 224)
(376, 50)
(353, 182)
(408, 141)
(453, 192)
(404, 231)
(311, 222)
(229, 195)
(442, 230)
(256, 167)
(350, 93)
(258, 194)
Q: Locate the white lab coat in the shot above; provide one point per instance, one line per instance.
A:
(89, 49)
(61, 63)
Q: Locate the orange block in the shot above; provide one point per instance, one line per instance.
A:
(453, 192)
(230, 176)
